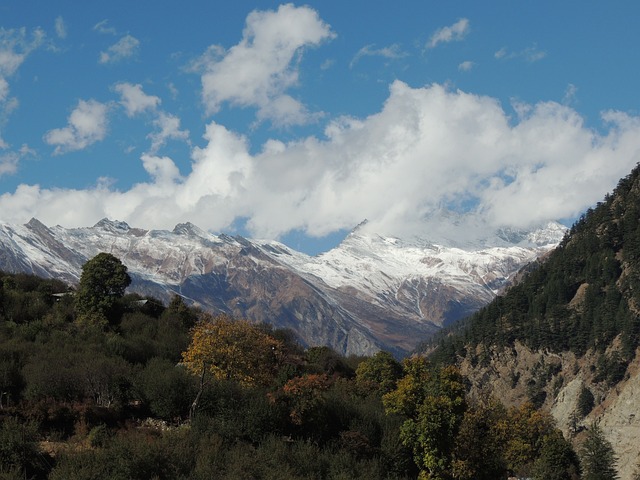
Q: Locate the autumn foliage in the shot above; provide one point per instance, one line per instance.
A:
(303, 396)
(231, 349)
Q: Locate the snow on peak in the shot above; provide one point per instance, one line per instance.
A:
(114, 226)
(189, 228)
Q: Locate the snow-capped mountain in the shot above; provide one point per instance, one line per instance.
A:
(368, 293)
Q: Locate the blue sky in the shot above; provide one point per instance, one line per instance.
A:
(298, 121)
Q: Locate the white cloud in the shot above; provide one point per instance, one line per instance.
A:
(9, 160)
(426, 148)
(570, 95)
(167, 128)
(530, 54)
(61, 28)
(392, 52)
(466, 66)
(104, 28)
(263, 66)
(87, 124)
(4, 89)
(134, 100)
(15, 47)
(455, 32)
(123, 49)
(8, 163)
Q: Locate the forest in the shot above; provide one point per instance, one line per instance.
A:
(96, 383)
(582, 297)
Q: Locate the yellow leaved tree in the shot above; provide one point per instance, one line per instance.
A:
(223, 348)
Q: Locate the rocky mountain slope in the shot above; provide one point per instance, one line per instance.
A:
(370, 292)
(514, 375)
(569, 330)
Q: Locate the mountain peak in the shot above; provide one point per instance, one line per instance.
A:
(189, 229)
(114, 226)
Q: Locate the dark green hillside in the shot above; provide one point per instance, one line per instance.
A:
(583, 296)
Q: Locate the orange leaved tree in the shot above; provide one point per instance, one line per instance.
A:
(228, 349)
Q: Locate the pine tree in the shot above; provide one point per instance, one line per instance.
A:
(597, 456)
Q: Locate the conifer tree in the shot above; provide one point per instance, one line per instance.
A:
(597, 456)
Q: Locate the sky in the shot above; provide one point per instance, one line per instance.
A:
(298, 121)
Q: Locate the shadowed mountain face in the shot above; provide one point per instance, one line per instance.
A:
(369, 293)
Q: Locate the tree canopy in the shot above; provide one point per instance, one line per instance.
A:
(104, 279)
(231, 349)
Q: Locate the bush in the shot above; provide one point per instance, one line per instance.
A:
(168, 389)
(19, 454)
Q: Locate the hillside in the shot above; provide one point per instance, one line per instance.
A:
(571, 325)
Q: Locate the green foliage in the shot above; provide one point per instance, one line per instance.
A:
(103, 281)
(479, 449)
(523, 430)
(582, 296)
(378, 373)
(597, 456)
(167, 388)
(557, 461)
(326, 360)
(98, 436)
(586, 402)
(19, 455)
(434, 403)
(283, 412)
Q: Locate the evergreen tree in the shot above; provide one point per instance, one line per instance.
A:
(585, 402)
(557, 461)
(597, 456)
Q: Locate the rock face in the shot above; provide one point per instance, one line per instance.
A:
(515, 375)
(369, 293)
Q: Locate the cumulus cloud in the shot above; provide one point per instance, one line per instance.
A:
(87, 125)
(456, 32)
(264, 65)
(427, 148)
(134, 100)
(466, 66)
(391, 52)
(123, 49)
(9, 160)
(167, 127)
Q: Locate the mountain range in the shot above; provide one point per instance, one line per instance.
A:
(371, 292)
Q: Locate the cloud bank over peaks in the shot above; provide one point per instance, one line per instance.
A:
(426, 150)
(263, 66)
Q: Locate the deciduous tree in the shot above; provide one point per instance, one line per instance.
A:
(104, 280)
(228, 349)
(379, 373)
(435, 405)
